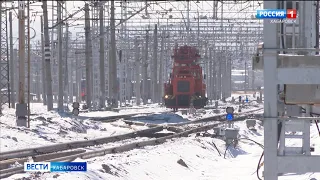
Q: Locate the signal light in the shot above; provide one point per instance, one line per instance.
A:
(75, 110)
(229, 117)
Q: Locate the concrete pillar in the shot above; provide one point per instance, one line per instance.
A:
(270, 101)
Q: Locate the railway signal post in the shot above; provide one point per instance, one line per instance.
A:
(229, 116)
(75, 110)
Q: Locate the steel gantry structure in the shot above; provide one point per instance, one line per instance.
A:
(121, 50)
(142, 38)
(291, 81)
(4, 59)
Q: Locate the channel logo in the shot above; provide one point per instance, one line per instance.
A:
(55, 166)
(276, 14)
(37, 166)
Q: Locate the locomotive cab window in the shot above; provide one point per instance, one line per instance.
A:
(183, 86)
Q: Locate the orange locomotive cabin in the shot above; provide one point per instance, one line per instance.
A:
(185, 87)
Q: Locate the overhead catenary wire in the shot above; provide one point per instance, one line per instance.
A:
(69, 16)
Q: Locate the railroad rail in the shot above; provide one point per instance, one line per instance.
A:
(114, 118)
(80, 144)
(61, 152)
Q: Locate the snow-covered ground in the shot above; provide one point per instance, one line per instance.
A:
(154, 162)
(198, 153)
(52, 127)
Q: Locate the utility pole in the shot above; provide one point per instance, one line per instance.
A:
(245, 76)
(145, 70)
(68, 80)
(60, 62)
(78, 74)
(21, 110)
(214, 73)
(155, 65)
(137, 71)
(161, 65)
(44, 96)
(29, 64)
(229, 74)
(188, 23)
(253, 80)
(113, 62)
(37, 84)
(223, 74)
(210, 77)
(102, 57)
(88, 56)
(206, 63)
(167, 57)
(47, 55)
(12, 63)
(198, 31)
(219, 63)
(68, 83)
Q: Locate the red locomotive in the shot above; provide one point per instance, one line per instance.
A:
(185, 87)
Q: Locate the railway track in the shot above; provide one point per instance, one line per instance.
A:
(70, 151)
(116, 117)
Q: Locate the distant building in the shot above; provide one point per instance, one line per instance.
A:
(238, 79)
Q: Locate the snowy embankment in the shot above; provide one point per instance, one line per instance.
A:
(197, 156)
(50, 127)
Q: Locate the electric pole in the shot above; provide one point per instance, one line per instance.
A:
(102, 56)
(12, 63)
(44, 97)
(188, 23)
(113, 63)
(161, 65)
(29, 53)
(210, 76)
(145, 71)
(214, 74)
(68, 83)
(88, 56)
(21, 110)
(154, 79)
(60, 62)
(78, 74)
(219, 63)
(137, 71)
(47, 55)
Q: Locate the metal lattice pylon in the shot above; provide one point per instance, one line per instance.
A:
(4, 63)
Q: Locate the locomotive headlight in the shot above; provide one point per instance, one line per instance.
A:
(166, 96)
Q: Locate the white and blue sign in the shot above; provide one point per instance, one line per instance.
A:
(55, 166)
(229, 117)
(271, 14)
